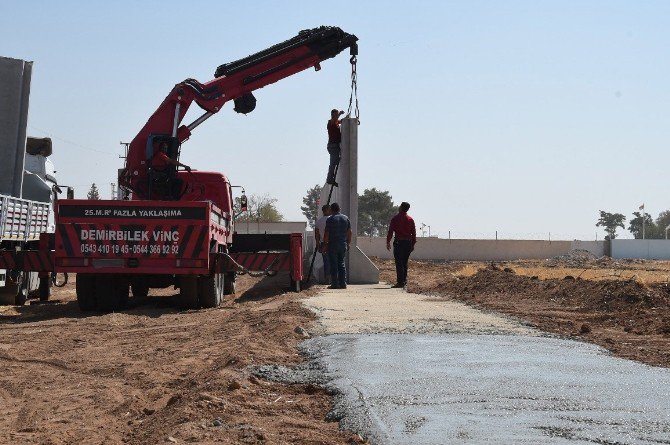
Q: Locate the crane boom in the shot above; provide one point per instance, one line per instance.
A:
(233, 81)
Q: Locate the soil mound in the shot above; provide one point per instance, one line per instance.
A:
(628, 317)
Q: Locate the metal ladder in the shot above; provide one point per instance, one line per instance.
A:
(316, 248)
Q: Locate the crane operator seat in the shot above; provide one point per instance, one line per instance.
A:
(163, 181)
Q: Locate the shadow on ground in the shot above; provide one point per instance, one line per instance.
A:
(266, 287)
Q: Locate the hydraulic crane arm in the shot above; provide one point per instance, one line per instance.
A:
(233, 81)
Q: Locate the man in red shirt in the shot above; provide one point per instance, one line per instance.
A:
(161, 160)
(334, 139)
(163, 185)
(405, 237)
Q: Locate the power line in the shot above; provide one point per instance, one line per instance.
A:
(74, 144)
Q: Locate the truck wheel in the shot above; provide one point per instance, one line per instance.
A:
(229, 283)
(211, 290)
(140, 292)
(86, 292)
(123, 291)
(107, 297)
(22, 294)
(45, 287)
(188, 292)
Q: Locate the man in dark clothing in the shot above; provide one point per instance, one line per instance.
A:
(319, 233)
(337, 240)
(334, 139)
(405, 237)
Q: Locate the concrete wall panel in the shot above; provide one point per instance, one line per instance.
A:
(15, 78)
(597, 248)
(656, 249)
(481, 250)
(268, 227)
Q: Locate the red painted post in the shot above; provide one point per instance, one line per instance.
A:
(296, 257)
(46, 240)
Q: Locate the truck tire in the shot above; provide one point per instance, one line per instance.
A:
(123, 291)
(21, 294)
(229, 283)
(140, 292)
(188, 292)
(211, 290)
(45, 287)
(108, 294)
(86, 298)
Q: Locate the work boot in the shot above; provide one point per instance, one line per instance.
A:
(397, 286)
(332, 286)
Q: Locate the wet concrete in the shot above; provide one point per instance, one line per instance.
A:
(464, 388)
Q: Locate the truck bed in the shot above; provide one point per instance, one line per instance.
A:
(22, 219)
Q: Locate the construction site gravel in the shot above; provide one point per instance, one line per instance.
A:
(237, 374)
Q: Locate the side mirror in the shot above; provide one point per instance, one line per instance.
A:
(70, 193)
(243, 203)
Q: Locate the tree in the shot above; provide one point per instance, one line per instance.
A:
(611, 221)
(375, 210)
(662, 221)
(259, 209)
(311, 205)
(635, 226)
(93, 192)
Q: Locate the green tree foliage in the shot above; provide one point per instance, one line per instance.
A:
(311, 207)
(650, 229)
(93, 192)
(375, 210)
(610, 222)
(260, 209)
(662, 221)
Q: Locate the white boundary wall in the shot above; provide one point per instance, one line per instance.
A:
(482, 250)
(271, 227)
(650, 249)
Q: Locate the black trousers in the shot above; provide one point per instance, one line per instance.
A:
(401, 251)
(335, 151)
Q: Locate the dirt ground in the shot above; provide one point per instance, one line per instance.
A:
(153, 374)
(623, 306)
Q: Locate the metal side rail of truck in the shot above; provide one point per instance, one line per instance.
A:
(116, 247)
(23, 223)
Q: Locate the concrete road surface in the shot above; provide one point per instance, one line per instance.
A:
(419, 370)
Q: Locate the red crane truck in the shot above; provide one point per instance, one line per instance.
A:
(177, 229)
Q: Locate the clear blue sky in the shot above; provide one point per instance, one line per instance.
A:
(524, 117)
